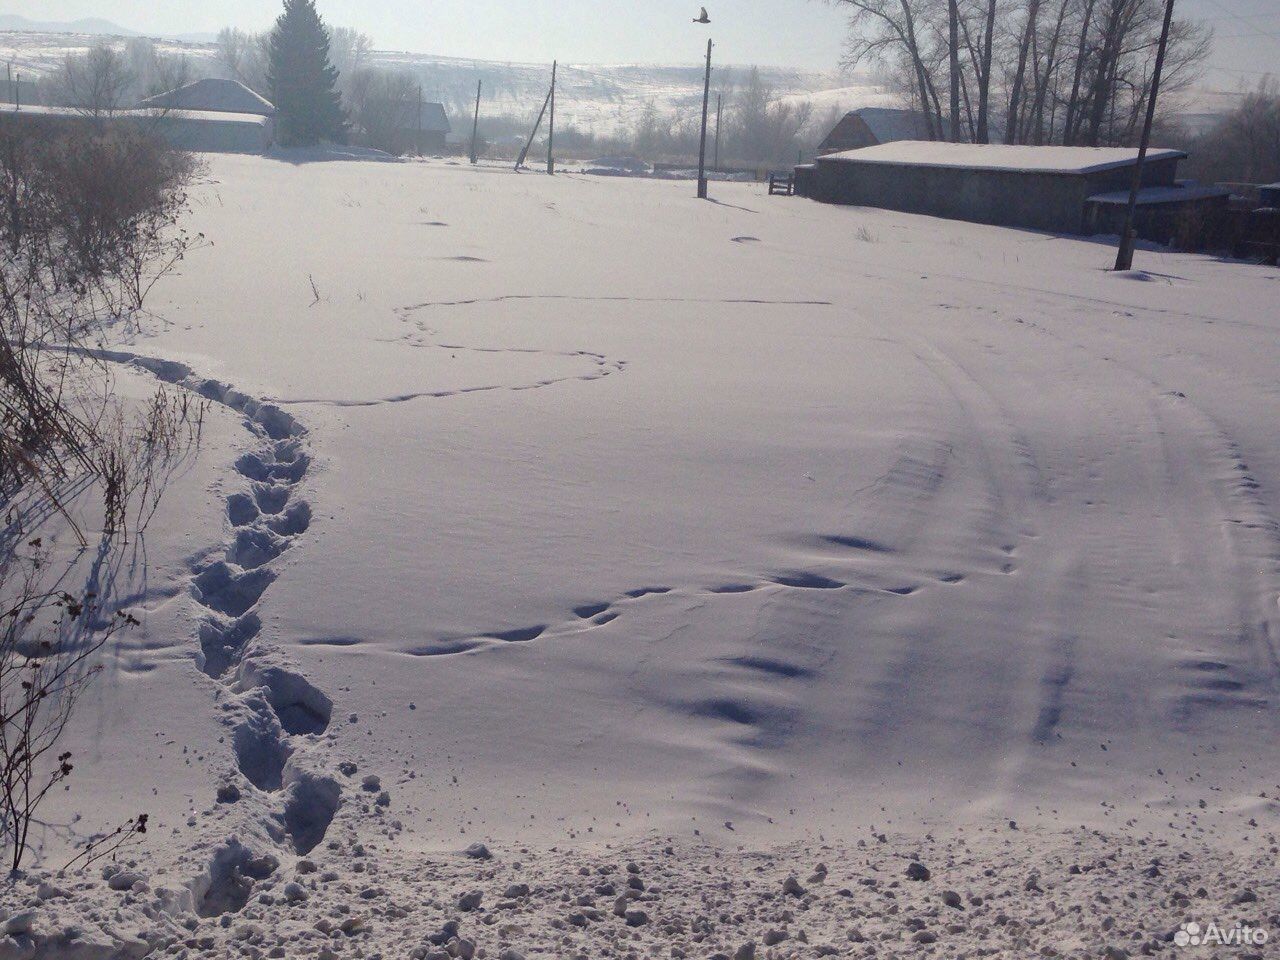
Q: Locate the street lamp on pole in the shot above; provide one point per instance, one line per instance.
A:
(706, 96)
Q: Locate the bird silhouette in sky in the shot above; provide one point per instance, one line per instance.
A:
(704, 18)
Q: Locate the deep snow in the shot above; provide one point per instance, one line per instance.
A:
(577, 511)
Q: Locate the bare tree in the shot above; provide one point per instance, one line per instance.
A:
(97, 82)
(383, 105)
(349, 52)
(881, 28)
(1118, 66)
(1046, 73)
(762, 128)
(1071, 124)
(1245, 145)
(153, 71)
(983, 69)
(1072, 71)
(1013, 118)
(244, 56)
(953, 66)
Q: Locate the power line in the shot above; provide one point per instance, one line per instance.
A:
(1237, 17)
(1256, 73)
(1242, 16)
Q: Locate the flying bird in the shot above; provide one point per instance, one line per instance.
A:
(704, 18)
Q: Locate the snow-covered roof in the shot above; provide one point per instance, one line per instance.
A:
(999, 156)
(203, 116)
(35, 108)
(888, 125)
(214, 95)
(1150, 196)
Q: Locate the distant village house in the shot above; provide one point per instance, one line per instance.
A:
(212, 116)
(872, 126)
(425, 128)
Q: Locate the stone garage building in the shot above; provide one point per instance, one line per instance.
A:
(1042, 188)
(211, 131)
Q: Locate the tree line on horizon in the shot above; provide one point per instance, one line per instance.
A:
(1011, 71)
(1027, 71)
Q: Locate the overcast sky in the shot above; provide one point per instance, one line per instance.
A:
(804, 33)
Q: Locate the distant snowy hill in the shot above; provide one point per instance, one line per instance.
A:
(91, 26)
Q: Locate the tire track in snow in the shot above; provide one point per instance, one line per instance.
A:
(1252, 542)
(273, 710)
(996, 525)
(1218, 657)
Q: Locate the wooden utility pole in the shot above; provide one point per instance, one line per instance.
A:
(702, 145)
(1124, 253)
(475, 123)
(715, 164)
(417, 147)
(551, 124)
(534, 132)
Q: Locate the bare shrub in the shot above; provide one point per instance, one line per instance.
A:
(88, 221)
(48, 641)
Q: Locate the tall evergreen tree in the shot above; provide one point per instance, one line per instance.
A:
(301, 78)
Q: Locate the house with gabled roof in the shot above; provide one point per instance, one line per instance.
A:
(871, 126)
(425, 125)
(211, 95)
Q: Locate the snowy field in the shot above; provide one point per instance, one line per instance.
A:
(594, 523)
